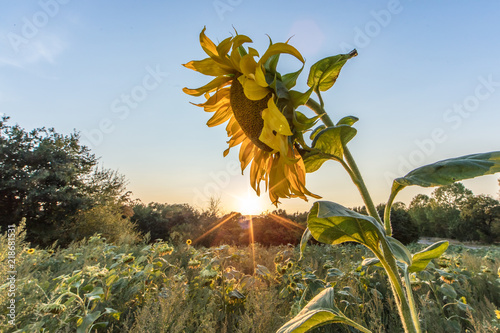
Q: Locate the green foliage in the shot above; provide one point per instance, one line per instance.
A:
(449, 171)
(324, 73)
(164, 288)
(454, 212)
(48, 178)
(161, 220)
(106, 220)
(404, 228)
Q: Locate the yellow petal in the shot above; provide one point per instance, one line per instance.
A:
(209, 66)
(252, 90)
(224, 46)
(246, 155)
(248, 65)
(220, 116)
(275, 120)
(207, 45)
(218, 82)
(216, 101)
(279, 48)
(260, 78)
(240, 40)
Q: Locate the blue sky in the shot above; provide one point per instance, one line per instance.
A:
(426, 86)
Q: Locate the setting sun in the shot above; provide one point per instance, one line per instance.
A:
(250, 204)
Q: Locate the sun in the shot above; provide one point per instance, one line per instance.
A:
(250, 204)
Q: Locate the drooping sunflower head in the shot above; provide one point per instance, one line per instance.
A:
(259, 106)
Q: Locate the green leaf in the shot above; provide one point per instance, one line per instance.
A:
(331, 223)
(399, 250)
(371, 262)
(332, 140)
(349, 120)
(325, 72)
(302, 123)
(321, 310)
(272, 63)
(306, 236)
(115, 314)
(263, 271)
(314, 160)
(316, 131)
(299, 98)
(452, 170)
(334, 272)
(421, 259)
(87, 322)
(97, 293)
(290, 79)
(448, 291)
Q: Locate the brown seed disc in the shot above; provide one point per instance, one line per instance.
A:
(248, 113)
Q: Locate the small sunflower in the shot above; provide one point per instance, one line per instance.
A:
(30, 251)
(497, 313)
(189, 242)
(259, 106)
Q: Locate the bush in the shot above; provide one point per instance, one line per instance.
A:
(108, 221)
(404, 228)
(161, 220)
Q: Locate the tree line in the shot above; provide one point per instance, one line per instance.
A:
(55, 183)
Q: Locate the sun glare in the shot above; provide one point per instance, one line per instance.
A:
(250, 204)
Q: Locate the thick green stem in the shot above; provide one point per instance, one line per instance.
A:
(352, 166)
(363, 190)
(389, 264)
(387, 213)
(313, 105)
(411, 301)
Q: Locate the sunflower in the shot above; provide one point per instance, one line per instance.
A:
(30, 251)
(260, 109)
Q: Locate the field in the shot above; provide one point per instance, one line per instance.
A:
(104, 287)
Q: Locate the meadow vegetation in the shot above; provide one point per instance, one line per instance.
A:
(163, 286)
(90, 259)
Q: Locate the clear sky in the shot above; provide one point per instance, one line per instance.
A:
(426, 86)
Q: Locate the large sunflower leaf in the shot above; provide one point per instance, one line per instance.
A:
(332, 140)
(421, 259)
(321, 310)
(452, 170)
(325, 72)
(448, 171)
(331, 223)
(400, 251)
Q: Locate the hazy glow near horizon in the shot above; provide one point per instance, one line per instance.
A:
(425, 86)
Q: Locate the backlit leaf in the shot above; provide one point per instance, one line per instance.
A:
(331, 223)
(421, 259)
(452, 170)
(324, 73)
(321, 310)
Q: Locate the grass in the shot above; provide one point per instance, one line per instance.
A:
(94, 285)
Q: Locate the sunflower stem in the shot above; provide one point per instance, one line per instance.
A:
(320, 111)
(351, 166)
(363, 190)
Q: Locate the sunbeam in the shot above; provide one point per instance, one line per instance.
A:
(215, 227)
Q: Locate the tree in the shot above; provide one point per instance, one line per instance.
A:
(453, 195)
(479, 214)
(161, 220)
(49, 178)
(403, 225)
